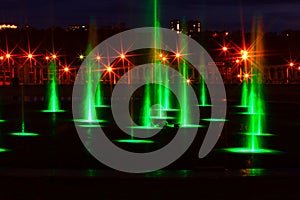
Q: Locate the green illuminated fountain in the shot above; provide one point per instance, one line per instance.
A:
(244, 101)
(145, 121)
(92, 100)
(203, 92)
(156, 97)
(2, 120)
(161, 94)
(99, 97)
(252, 100)
(2, 149)
(23, 133)
(52, 91)
(89, 114)
(184, 119)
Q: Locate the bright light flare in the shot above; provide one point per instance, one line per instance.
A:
(30, 56)
(178, 55)
(122, 56)
(188, 81)
(7, 55)
(109, 69)
(54, 56)
(1, 57)
(291, 64)
(224, 48)
(81, 57)
(247, 76)
(98, 58)
(244, 54)
(164, 58)
(237, 61)
(47, 57)
(66, 69)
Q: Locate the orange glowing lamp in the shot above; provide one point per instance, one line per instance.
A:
(109, 69)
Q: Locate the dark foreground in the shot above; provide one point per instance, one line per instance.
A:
(55, 165)
(108, 184)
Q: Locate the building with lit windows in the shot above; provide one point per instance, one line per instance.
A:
(176, 25)
(193, 27)
(190, 27)
(77, 27)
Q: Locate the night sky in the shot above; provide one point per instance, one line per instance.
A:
(277, 15)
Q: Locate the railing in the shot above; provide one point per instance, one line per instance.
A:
(40, 75)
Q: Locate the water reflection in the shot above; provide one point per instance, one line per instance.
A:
(253, 172)
(169, 173)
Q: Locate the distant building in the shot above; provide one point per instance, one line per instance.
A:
(190, 28)
(176, 25)
(193, 27)
(77, 28)
(8, 26)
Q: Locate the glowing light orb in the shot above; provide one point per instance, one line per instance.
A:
(291, 64)
(98, 58)
(164, 58)
(109, 69)
(161, 55)
(237, 60)
(66, 69)
(81, 57)
(188, 81)
(1, 57)
(224, 48)
(177, 55)
(244, 54)
(246, 76)
(122, 56)
(8, 55)
(30, 56)
(54, 56)
(47, 57)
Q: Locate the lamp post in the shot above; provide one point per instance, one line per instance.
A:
(290, 66)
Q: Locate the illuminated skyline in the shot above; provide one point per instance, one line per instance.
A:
(277, 15)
